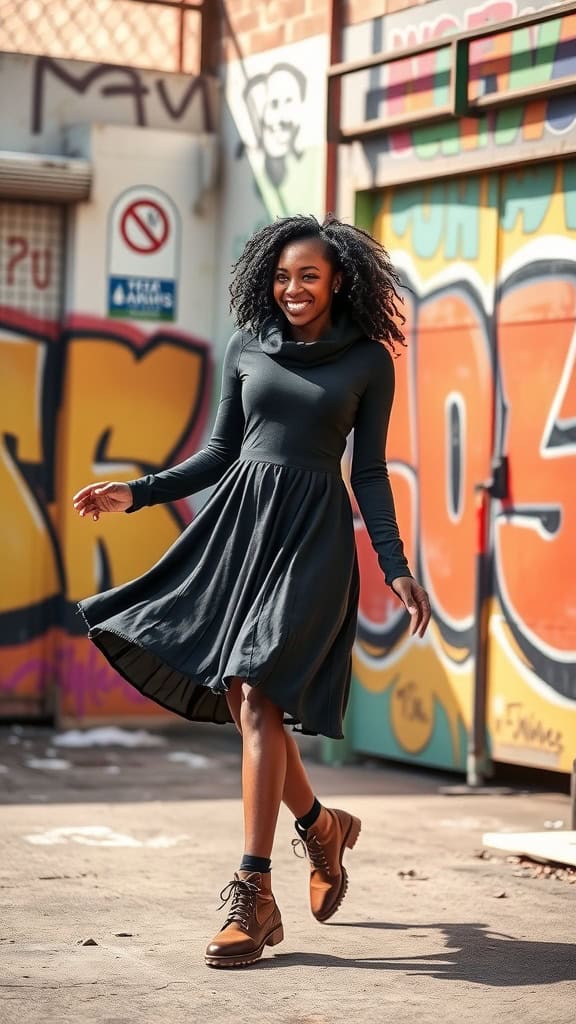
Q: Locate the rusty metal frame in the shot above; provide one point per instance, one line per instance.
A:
(459, 104)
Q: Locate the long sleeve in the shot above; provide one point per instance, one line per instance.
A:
(207, 466)
(369, 473)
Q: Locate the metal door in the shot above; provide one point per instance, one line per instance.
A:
(490, 267)
(412, 699)
(531, 666)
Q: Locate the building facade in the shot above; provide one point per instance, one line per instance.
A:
(128, 186)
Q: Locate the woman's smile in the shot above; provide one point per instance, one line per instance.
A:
(295, 307)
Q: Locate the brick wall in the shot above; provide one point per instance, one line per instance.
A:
(362, 10)
(252, 26)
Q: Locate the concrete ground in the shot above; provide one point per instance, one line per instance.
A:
(130, 848)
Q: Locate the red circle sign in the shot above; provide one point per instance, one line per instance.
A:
(144, 226)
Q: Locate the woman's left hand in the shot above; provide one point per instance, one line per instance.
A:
(416, 601)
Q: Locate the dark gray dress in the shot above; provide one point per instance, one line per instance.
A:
(263, 584)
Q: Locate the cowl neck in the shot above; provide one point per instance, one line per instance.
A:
(274, 340)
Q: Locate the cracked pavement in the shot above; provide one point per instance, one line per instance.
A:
(134, 859)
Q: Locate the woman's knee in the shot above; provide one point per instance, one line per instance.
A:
(256, 711)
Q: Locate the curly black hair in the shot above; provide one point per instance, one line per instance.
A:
(369, 281)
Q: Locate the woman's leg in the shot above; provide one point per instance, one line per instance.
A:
(263, 769)
(254, 919)
(326, 832)
(297, 793)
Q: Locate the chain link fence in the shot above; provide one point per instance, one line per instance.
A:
(142, 34)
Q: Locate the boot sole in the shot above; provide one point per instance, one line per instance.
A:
(272, 939)
(350, 840)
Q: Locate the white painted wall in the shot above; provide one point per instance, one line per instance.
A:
(173, 162)
(40, 97)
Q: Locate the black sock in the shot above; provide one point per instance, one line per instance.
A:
(250, 863)
(307, 820)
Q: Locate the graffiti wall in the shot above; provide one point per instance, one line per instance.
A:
(489, 264)
(85, 401)
(499, 65)
(106, 364)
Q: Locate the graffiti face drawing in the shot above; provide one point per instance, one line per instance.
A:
(275, 104)
(282, 113)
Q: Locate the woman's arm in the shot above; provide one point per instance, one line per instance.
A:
(210, 463)
(369, 474)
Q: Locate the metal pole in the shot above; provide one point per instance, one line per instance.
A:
(475, 764)
(181, 36)
(497, 487)
(213, 13)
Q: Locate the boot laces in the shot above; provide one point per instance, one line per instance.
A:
(243, 895)
(312, 847)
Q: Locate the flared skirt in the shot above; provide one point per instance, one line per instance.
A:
(262, 585)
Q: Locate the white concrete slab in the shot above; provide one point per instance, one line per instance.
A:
(557, 846)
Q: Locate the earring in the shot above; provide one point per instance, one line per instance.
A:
(335, 290)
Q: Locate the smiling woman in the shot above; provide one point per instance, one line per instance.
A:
(361, 282)
(250, 617)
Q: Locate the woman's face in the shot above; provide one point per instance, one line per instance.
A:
(304, 284)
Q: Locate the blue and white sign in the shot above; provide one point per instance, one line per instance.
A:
(141, 298)
(143, 256)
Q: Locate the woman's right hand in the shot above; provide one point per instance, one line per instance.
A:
(106, 496)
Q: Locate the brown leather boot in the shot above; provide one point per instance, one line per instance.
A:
(253, 922)
(325, 842)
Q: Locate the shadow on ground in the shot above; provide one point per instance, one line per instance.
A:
(471, 953)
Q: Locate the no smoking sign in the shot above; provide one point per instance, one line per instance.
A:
(144, 226)
(143, 256)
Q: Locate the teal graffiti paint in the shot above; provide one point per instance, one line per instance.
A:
(372, 732)
(570, 194)
(401, 206)
(527, 196)
(493, 191)
(419, 212)
(507, 125)
(443, 214)
(462, 209)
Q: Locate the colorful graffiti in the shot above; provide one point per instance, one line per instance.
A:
(88, 401)
(490, 268)
(500, 65)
